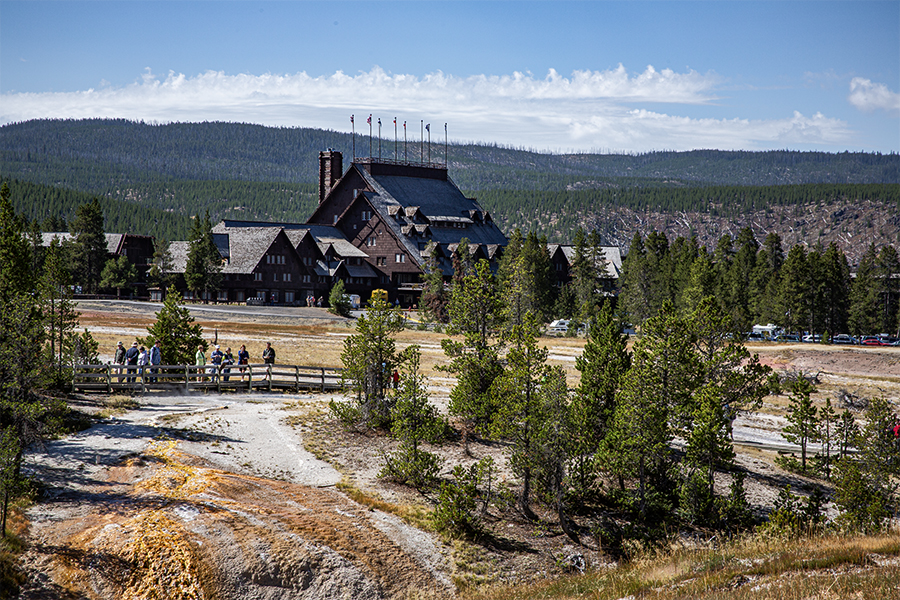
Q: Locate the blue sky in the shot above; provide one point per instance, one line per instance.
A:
(560, 76)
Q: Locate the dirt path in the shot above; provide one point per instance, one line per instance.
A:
(219, 492)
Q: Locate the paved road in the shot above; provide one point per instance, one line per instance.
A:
(226, 312)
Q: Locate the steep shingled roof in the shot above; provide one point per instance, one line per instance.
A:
(401, 199)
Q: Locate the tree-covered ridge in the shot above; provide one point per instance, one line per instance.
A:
(101, 151)
(45, 203)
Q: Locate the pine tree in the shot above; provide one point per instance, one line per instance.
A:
(602, 364)
(836, 297)
(160, 274)
(708, 448)
(863, 317)
(794, 291)
(178, 335)
(474, 313)
(803, 422)
(767, 280)
(888, 274)
(846, 433)
(25, 415)
(338, 301)
(202, 273)
(435, 296)
(828, 420)
(517, 395)
(118, 274)
(59, 310)
(413, 420)
(369, 357)
(89, 249)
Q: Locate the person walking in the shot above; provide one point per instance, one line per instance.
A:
(200, 362)
(131, 358)
(155, 360)
(243, 359)
(143, 361)
(216, 358)
(227, 361)
(119, 358)
(268, 356)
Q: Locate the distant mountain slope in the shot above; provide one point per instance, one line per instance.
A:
(93, 154)
(266, 173)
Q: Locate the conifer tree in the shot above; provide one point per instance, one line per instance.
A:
(413, 420)
(836, 283)
(118, 274)
(803, 422)
(863, 317)
(828, 420)
(888, 274)
(794, 291)
(846, 433)
(178, 335)
(202, 273)
(474, 312)
(59, 310)
(370, 357)
(766, 280)
(602, 364)
(89, 248)
(160, 274)
(435, 295)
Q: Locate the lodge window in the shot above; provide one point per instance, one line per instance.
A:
(370, 241)
(289, 297)
(381, 260)
(287, 276)
(366, 215)
(274, 276)
(400, 258)
(257, 277)
(274, 259)
(307, 260)
(306, 279)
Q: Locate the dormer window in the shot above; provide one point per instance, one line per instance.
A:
(366, 215)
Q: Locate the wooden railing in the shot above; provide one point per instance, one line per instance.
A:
(109, 378)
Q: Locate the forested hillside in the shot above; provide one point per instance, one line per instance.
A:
(268, 173)
(46, 204)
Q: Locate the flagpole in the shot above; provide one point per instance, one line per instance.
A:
(353, 136)
(379, 138)
(369, 120)
(446, 163)
(428, 129)
(422, 140)
(405, 148)
(395, 139)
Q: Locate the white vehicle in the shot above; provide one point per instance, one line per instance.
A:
(560, 326)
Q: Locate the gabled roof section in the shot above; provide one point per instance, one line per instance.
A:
(113, 240)
(612, 257)
(425, 196)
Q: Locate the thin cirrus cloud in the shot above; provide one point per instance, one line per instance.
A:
(588, 110)
(869, 96)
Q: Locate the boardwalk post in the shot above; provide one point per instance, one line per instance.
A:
(297, 378)
(219, 378)
(250, 378)
(269, 372)
(108, 378)
(323, 379)
(187, 371)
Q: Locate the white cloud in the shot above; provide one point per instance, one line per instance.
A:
(868, 96)
(589, 110)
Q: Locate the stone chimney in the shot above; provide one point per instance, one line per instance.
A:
(331, 167)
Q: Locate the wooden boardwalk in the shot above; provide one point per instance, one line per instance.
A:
(109, 378)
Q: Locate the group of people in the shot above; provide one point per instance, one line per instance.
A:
(136, 359)
(312, 301)
(224, 360)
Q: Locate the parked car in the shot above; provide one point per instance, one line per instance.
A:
(812, 339)
(787, 337)
(843, 338)
(874, 342)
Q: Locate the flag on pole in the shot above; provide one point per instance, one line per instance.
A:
(379, 121)
(428, 128)
(369, 120)
(351, 118)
